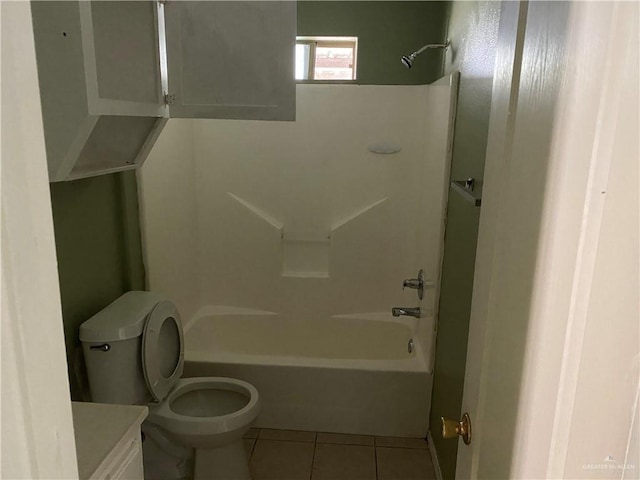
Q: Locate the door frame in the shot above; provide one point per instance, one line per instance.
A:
(37, 427)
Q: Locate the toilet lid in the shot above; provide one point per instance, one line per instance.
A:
(162, 349)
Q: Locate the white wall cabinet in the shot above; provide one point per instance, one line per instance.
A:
(231, 59)
(111, 73)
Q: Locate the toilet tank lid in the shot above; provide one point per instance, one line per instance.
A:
(120, 320)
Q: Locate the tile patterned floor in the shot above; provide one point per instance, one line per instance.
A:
(294, 455)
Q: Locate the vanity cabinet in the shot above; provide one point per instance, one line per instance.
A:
(108, 440)
(112, 73)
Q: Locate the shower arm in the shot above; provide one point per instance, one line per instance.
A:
(431, 45)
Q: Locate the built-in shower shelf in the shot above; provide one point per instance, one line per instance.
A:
(472, 195)
(305, 254)
(305, 274)
(306, 236)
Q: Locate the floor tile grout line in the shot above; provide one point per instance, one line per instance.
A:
(279, 439)
(313, 457)
(324, 442)
(336, 443)
(375, 458)
(352, 445)
(253, 447)
(402, 448)
(347, 444)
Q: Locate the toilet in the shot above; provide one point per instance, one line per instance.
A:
(134, 352)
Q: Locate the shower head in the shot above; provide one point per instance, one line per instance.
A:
(407, 60)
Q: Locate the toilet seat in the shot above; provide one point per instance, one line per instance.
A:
(163, 364)
(163, 415)
(162, 349)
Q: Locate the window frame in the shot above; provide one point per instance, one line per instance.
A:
(328, 41)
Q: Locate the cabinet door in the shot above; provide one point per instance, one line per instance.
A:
(231, 59)
(121, 58)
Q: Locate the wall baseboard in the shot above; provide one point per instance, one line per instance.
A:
(434, 456)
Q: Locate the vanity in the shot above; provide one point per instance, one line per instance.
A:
(108, 440)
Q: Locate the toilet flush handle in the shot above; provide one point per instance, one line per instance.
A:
(105, 347)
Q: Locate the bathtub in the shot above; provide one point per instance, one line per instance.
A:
(345, 374)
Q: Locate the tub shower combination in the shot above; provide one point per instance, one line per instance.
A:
(341, 374)
(275, 239)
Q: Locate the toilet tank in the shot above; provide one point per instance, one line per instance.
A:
(115, 372)
(112, 347)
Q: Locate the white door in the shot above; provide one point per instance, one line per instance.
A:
(231, 59)
(552, 366)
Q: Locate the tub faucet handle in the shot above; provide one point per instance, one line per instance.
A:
(415, 283)
(407, 311)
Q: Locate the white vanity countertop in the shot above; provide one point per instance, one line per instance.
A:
(99, 428)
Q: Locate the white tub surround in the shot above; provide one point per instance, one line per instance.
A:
(302, 219)
(344, 375)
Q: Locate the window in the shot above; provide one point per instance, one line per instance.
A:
(326, 58)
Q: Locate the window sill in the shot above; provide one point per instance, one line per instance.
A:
(328, 82)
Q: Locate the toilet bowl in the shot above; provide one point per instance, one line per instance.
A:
(210, 414)
(207, 412)
(134, 351)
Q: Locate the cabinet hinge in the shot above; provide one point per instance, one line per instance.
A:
(169, 98)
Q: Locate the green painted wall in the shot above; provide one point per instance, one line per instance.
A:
(99, 251)
(385, 31)
(473, 29)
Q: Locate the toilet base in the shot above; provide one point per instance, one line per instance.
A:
(228, 462)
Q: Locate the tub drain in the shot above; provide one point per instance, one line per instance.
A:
(410, 346)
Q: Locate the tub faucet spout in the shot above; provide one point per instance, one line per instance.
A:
(410, 312)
